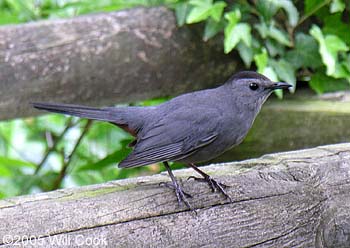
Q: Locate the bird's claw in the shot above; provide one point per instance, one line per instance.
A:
(180, 194)
(214, 185)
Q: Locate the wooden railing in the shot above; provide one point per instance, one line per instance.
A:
(293, 199)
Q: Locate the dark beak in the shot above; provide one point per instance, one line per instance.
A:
(280, 85)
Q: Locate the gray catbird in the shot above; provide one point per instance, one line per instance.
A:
(190, 128)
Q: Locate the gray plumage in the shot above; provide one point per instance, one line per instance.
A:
(190, 128)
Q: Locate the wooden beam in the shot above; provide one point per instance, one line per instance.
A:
(292, 199)
(105, 59)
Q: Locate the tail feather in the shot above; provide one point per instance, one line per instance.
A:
(103, 114)
(131, 119)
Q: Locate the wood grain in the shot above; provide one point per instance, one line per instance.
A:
(292, 199)
(105, 59)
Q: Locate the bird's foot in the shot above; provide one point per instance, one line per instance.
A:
(214, 185)
(180, 194)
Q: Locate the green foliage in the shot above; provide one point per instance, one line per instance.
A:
(293, 46)
(16, 11)
(278, 37)
(34, 152)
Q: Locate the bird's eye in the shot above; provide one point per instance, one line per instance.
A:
(253, 86)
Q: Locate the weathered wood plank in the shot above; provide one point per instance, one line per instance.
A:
(104, 59)
(293, 199)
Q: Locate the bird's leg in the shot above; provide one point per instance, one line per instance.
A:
(213, 184)
(180, 194)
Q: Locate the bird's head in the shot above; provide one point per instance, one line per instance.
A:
(252, 88)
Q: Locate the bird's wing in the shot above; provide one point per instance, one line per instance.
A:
(162, 153)
(174, 137)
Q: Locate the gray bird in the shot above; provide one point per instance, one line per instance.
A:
(190, 128)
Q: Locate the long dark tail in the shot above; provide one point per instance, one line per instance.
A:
(103, 114)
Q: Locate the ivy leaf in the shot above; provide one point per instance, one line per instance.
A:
(246, 53)
(201, 11)
(279, 35)
(291, 10)
(233, 17)
(268, 8)
(329, 46)
(299, 58)
(230, 37)
(334, 25)
(312, 5)
(321, 83)
(285, 71)
(274, 48)
(212, 28)
(217, 10)
(261, 60)
(240, 32)
(273, 32)
(337, 6)
(262, 29)
(181, 11)
(342, 71)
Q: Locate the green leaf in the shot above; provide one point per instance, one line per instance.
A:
(337, 6)
(342, 70)
(279, 35)
(329, 46)
(10, 167)
(270, 73)
(301, 59)
(246, 53)
(333, 24)
(235, 33)
(262, 29)
(201, 11)
(261, 60)
(273, 32)
(5, 172)
(274, 47)
(313, 5)
(240, 32)
(233, 18)
(217, 10)
(107, 161)
(212, 28)
(322, 83)
(285, 71)
(181, 11)
(335, 44)
(268, 8)
(15, 163)
(290, 9)
(8, 18)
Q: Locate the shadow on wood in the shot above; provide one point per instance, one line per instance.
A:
(292, 199)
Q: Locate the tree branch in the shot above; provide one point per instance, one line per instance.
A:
(68, 125)
(67, 162)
